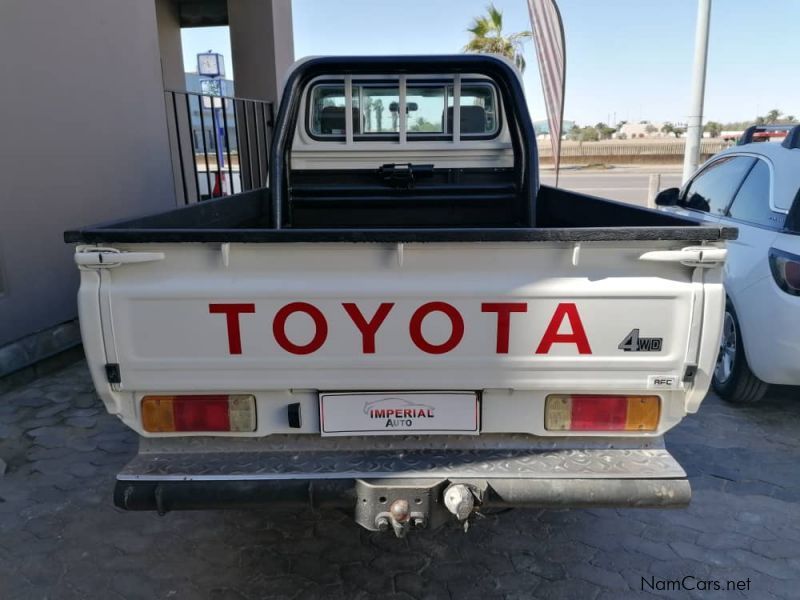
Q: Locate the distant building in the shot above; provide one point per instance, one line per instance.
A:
(645, 130)
(542, 128)
(641, 130)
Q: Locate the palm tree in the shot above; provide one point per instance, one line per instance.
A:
(713, 128)
(378, 114)
(773, 116)
(488, 38)
(368, 112)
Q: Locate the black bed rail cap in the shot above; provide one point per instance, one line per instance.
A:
(693, 235)
(411, 63)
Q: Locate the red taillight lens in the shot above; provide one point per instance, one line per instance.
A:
(785, 270)
(199, 413)
(597, 412)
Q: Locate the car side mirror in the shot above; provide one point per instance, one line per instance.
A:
(668, 197)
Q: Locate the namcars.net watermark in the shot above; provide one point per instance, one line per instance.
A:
(691, 583)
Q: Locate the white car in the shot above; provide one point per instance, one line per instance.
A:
(756, 187)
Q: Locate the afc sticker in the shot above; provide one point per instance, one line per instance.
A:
(664, 382)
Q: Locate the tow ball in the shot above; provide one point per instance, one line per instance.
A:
(384, 505)
(400, 518)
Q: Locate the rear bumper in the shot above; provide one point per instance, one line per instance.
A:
(542, 493)
(522, 476)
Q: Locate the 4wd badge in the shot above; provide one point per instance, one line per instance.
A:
(634, 343)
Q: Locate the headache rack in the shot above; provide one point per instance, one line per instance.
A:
(397, 194)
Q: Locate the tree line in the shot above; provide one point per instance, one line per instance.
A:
(602, 131)
(773, 117)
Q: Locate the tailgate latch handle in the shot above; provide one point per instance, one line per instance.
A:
(107, 258)
(692, 256)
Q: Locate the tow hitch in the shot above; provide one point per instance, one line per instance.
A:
(413, 504)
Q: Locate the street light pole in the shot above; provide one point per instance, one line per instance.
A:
(694, 129)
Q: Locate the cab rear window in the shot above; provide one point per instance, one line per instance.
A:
(376, 110)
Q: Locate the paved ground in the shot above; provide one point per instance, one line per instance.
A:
(629, 184)
(60, 537)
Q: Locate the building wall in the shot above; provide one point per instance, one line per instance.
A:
(262, 43)
(169, 42)
(83, 140)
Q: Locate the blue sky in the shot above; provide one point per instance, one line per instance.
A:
(632, 58)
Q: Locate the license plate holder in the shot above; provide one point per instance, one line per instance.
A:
(399, 413)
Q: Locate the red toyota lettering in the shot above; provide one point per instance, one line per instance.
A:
(503, 310)
(369, 328)
(232, 312)
(320, 325)
(456, 322)
(577, 337)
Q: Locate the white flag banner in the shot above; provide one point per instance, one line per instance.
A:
(548, 38)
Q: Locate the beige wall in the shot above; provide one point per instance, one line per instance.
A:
(173, 77)
(262, 44)
(83, 140)
(169, 42)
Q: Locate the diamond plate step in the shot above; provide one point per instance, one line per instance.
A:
(651, 463)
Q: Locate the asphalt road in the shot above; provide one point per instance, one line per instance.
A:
(626, 184)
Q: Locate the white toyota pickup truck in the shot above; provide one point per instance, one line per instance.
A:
(405, 324)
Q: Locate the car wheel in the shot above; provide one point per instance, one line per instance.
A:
(733, 380)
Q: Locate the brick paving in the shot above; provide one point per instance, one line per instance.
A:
(61, 537)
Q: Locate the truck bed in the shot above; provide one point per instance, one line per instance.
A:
(561, 216)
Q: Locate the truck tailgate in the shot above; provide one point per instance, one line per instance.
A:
(443, 316)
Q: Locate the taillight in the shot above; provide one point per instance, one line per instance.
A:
(785, 270)
(199, 413)
(584, 412)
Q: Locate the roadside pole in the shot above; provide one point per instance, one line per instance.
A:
(694, 129)
(653, 187)
(219, 140)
